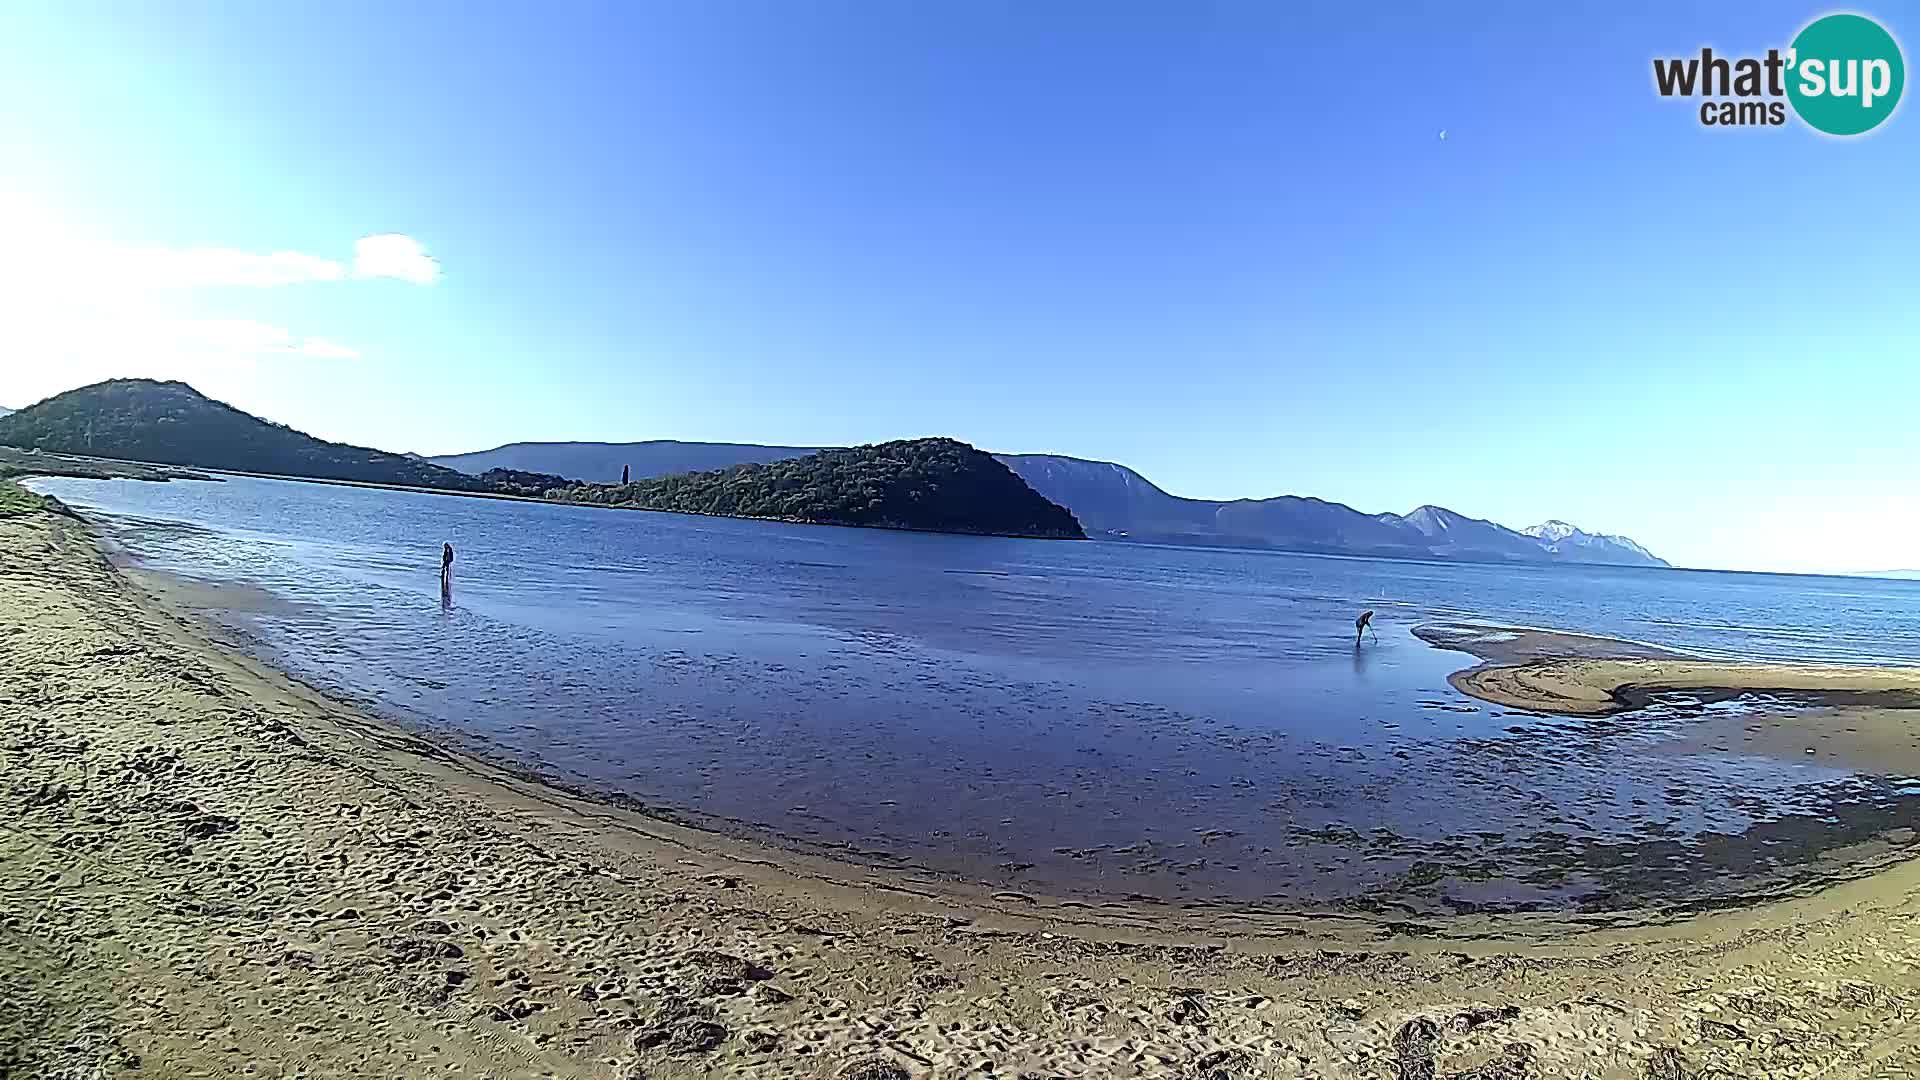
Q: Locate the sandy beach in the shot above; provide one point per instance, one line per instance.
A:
(211, 870)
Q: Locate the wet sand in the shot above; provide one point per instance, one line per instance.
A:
(1876, 741)
(1569, 675)
(207, 869)
(34, 463)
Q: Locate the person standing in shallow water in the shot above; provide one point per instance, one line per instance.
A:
(1363, 625)
(446, 568)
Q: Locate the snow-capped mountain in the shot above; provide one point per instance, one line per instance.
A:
(1551, 532)
(1572, 542)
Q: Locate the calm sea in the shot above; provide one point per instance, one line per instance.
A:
(1109, 719)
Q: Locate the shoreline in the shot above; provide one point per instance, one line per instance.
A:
(1586, 662)
(1577, 675)
(241, 857)
(1604, 888)
(843, 863)
(18, 465)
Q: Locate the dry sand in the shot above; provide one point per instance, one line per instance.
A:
(1572, 675)
(1598, 687)
(208, 870)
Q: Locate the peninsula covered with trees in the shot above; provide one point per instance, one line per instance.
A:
(937, 485)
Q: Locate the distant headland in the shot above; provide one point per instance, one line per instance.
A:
(931, 485)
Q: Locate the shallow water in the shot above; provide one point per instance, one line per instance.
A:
(1061, 717)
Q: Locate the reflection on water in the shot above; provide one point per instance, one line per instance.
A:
(1179, 723)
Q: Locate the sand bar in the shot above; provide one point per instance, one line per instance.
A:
(1572, 675)
(207, 869)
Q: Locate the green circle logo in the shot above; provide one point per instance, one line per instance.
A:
(1845, 74)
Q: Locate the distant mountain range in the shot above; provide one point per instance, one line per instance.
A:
(936, 485)
(601, 463)
(4, 410)
(1115, 503)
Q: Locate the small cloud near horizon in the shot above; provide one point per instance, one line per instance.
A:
(192, 268)
(245, 337)
(384, 255)
(323, 349)
(394, 255)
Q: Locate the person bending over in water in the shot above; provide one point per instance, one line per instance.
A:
(1363, 625)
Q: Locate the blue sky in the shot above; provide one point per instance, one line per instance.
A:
(1222, 243)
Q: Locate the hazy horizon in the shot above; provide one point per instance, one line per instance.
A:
(1170, 238)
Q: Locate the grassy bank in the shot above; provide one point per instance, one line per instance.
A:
(15, 499)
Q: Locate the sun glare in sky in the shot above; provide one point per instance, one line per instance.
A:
(85, 306)
(1121, 236)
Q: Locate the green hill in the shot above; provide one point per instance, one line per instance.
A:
(171, 423)
(935, 485)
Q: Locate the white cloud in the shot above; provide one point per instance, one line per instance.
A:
(38, 250)
(76, 306)
(388, 255)
(193, 268)
(323, 349)
(228, 335)
(393, 255)
(76, 343)
(245, 337)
